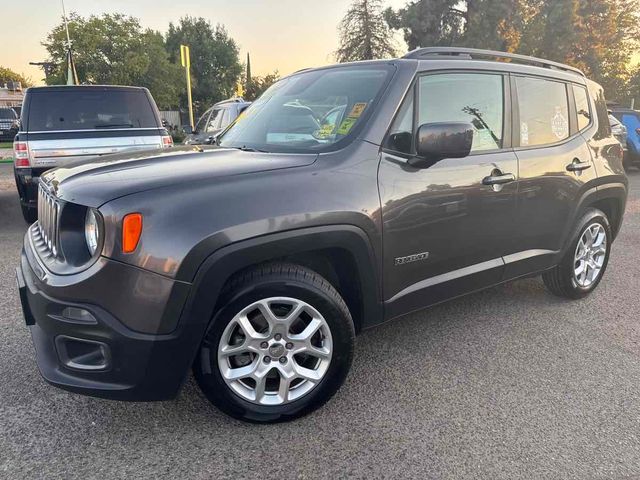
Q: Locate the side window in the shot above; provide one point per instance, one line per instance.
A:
(226, 118)
(544, 111)
(476, 98)
(582, 107)
(214, 120)
(400, 138)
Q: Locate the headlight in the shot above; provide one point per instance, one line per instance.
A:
(92, 231)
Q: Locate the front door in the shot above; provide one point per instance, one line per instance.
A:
(446, 227)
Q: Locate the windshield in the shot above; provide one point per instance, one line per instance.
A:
(309, 112)
(80, 109)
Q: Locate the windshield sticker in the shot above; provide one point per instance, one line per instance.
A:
(324, 132)
(524, 134)
(559, 125)
(346, 125)
(357, 110)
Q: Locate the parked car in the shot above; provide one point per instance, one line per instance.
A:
(9, 123)
(65, 124)
(258, 260)
(214, 121)
(619, 131)
(631, 121)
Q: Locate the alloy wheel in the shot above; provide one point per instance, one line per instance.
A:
(275, 351)
(590, 255)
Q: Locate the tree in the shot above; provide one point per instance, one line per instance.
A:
(493, 24)
(247, 78)
(215, 66)
(426, 23)
(7, 75)
(258, 85)
(114, 49)
(364, 34)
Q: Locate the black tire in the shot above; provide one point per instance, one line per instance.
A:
(561, 279)
(30, 214)
(276, 280)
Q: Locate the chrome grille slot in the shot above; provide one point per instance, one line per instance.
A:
(48, 217)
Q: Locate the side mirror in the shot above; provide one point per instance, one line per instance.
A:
(187, 129)
(437, 141)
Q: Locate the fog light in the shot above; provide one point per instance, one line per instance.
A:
(79, 315)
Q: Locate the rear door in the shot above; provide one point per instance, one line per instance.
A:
(555, 167)
(78, 123)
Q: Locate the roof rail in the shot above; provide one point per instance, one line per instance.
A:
(471, 53)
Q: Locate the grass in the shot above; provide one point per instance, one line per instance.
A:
(6, 144)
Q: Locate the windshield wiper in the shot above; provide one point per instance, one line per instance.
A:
(114, 125)
(244, 148)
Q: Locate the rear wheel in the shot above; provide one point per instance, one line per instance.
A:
(279, 348)
(586, 259)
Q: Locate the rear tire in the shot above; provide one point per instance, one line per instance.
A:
(585, 261)
(30, 214)
(279, 347)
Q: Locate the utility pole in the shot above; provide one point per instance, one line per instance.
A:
(186, 63)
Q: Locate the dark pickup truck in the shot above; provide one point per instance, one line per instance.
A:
(344, 197)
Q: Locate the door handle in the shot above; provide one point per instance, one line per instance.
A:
(498, 178)
(577, 165)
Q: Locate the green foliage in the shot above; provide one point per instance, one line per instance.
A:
(215, 67)
(7, 75)
(598, 36)
(364, 34)
(257, 85)
(426, 23)
(114, 49)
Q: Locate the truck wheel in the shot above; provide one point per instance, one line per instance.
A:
(30, 214)
(279, 347)
(583, 265)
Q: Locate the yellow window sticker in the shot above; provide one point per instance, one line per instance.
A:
(324, 132)
(346, 125)
(357, 110)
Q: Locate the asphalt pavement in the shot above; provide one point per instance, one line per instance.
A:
(510, 383)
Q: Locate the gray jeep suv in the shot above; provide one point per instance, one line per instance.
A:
(344, 197)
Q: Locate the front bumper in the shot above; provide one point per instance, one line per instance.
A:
(82, 346)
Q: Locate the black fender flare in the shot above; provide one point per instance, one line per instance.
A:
(616, 191)
(221, 264)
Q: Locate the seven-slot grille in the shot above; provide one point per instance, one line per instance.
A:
(48, 215)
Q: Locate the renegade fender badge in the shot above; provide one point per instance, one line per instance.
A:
(416, 257)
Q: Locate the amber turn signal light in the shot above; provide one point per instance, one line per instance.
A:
(131, 231)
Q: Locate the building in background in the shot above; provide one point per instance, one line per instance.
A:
(11, 94)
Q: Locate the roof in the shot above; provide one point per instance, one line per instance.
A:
(60, 88)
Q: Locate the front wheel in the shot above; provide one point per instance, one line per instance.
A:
(279, 348)
(586, 259)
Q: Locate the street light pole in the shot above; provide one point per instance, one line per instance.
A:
(186, 63)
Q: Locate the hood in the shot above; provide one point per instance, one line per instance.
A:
(98, 181)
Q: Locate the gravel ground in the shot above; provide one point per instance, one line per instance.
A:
(508, 383)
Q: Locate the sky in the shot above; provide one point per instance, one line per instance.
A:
(283, 35)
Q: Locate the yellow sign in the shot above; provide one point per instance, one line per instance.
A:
(346, 125)
(184, 56)
(357, 110)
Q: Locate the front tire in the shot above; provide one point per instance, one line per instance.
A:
(585, 261)
(279, 347)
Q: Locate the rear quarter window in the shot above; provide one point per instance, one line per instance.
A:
(90, 109)
(602, 113)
